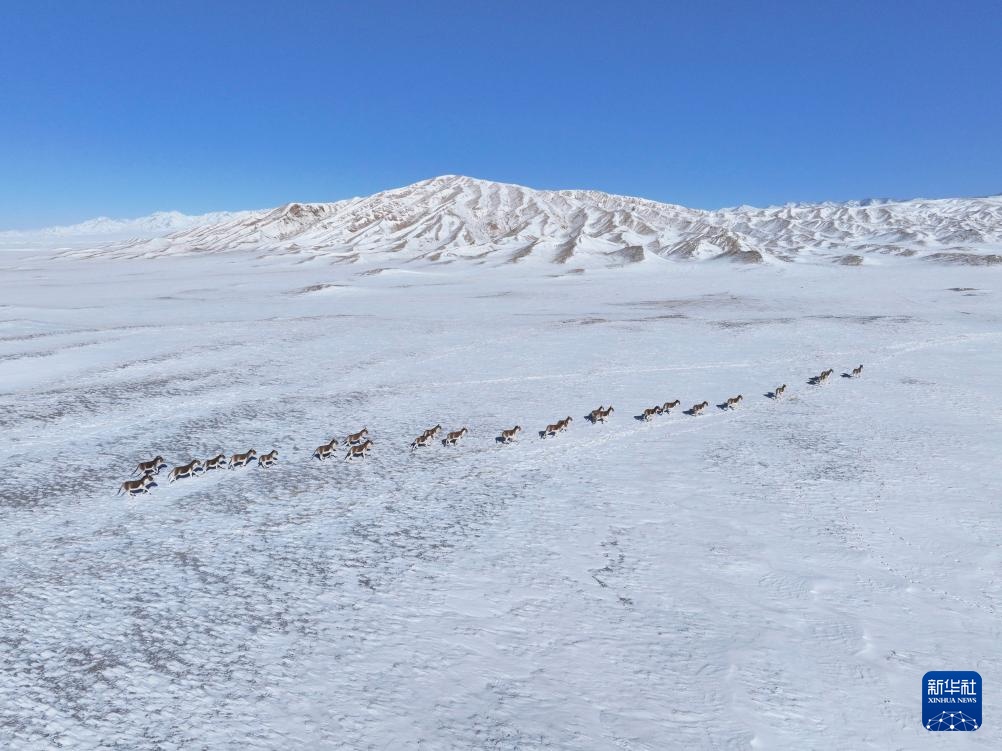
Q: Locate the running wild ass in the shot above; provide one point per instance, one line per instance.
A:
(557, 427)
(648, 414)
(215, 462)
(137, 487)
(354, 439)
(423, 440)
(242, 460)
(451, 439)
(185, 470)
(152, 467)
(601, 414)
(358, 451)
(507, 436)
(426, 437)
(326, 451)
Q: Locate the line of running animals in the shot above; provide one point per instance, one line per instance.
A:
(359, 444)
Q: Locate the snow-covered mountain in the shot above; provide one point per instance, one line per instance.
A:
(453, 218)
(104, 230)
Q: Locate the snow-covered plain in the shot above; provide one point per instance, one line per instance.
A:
(776, 576)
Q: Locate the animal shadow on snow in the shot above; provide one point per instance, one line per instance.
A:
(814, 380)
(723, 405)
(847, 375)
(769, 394)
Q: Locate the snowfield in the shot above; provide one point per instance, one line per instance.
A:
(779, 576)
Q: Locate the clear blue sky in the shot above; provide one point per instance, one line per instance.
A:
(123, 108)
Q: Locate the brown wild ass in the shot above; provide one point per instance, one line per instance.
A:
(185, 470)
(356, 438)
(152, 467)
(423, 440)
(215, 462)
(358, 451)
(137, 487)
(242, 460)
(557, 427)
(695, 409)
(507, 436)
(601, 414)
(326, 451)
(426, 437)
(451, 439)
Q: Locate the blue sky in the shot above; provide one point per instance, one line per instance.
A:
(124, 108)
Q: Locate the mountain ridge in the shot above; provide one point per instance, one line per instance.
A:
(454, 218)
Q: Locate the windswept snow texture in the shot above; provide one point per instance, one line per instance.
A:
(780, 575)
(455, 219)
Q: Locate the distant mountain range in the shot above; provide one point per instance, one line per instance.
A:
(454, 219)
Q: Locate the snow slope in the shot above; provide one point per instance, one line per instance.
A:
(777, 576)
(454, 219)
